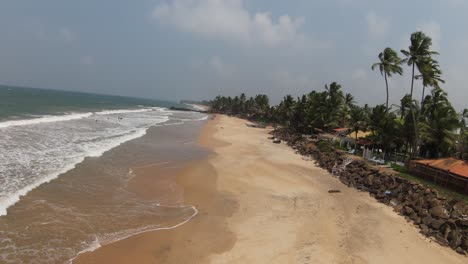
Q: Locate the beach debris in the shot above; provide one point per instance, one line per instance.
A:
(334, 191)
(276, 141)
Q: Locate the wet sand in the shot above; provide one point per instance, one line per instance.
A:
(259, 202)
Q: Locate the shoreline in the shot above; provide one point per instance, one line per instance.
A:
(260, 203)
(198, 179)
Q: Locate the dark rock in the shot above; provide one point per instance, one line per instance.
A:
(436, 224)
(408, 210)
(455, 213)
(424, 229)
(460, 251)
(464, 243)
(439, 212)
(440, 239)
(427, 220)
(464, 223)
(455, 239)
(434, 202)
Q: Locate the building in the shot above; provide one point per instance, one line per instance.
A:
(447, 172)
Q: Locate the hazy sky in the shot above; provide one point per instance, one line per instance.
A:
(196, 49)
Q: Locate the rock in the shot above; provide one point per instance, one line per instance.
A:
(424, 229)
(439, 212)
(464, 223)
(408, 210)
(436, 224)
(464, 243)
(434, 202)
(455, 214)
(440, 239)
(369, 180)
(423, 212)
(427, 220)
(455, 239)
(460, 251)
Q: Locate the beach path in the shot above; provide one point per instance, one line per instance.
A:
(261, 203)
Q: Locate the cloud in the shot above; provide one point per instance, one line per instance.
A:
(377, 26)
(87, 60)
(229, 20)
(432, 29)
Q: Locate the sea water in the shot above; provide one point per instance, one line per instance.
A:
(43, 135)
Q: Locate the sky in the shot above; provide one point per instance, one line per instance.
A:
(197, 49)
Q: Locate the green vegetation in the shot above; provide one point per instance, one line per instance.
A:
(427, 129)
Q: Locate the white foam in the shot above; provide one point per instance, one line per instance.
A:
(13, 198)
(121, 236)
(123, 111)
(44, 119)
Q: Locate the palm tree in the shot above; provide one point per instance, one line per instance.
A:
(358, 121)
(334, 102)
(388, 65)
(430, 74)
(463, 135)
(417, 53)
(286, 110)
(439, 124)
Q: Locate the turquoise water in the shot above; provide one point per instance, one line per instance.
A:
(21, 103)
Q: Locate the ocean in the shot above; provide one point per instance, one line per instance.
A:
(68, 160)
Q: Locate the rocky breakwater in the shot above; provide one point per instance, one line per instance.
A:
(444, 220)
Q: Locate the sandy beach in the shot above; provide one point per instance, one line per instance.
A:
(260, 202)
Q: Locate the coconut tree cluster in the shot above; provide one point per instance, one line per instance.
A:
(427, 128)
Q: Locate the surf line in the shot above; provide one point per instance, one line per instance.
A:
(97, 244)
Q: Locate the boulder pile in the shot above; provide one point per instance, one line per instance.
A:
(445, 220)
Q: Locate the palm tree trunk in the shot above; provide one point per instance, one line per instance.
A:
(415, 143)
(355, 140)
(422, 98)
(386, 85)
(412, 82)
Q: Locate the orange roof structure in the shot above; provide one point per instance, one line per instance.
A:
(455, 166)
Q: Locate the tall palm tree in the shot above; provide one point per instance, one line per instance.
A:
(389, 64)
(417, 52)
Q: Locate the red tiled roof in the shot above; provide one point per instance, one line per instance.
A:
(455, 166)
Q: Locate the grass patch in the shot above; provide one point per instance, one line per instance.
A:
(448, 193)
